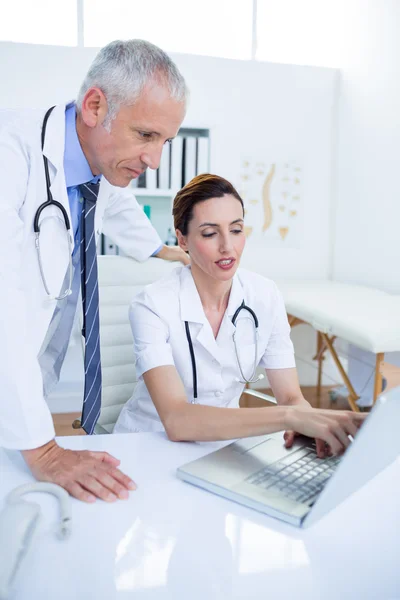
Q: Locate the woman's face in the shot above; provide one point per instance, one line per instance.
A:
(215, 238)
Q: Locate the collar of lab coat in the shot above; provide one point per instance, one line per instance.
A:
(53, 149)
(54, 141)
(191, 310)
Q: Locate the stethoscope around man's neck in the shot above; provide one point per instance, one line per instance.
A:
(252, 378)
(36, 226)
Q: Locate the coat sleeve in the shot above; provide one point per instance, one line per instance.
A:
(279, 353)
(150, 335)
(127, 225)
(25, 419)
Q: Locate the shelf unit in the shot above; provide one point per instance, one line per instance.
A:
(155, 193)
(187, 156)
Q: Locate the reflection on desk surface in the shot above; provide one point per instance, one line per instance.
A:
(173, 541)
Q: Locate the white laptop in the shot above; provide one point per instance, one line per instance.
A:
(293, 484)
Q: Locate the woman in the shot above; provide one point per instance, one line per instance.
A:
(195, 350)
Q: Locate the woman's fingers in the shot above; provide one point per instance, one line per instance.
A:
(329, 436)
(342, 436)
(352, 429)
(343, 425)
(322, 450)
(331, 429)
(349, 425)
(359, 418)
(289, 436)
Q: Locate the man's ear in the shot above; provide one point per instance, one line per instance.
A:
(94, 107)
(181, 240)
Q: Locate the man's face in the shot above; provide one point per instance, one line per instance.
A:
(137, 135)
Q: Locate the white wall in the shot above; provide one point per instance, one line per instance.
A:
(278, 111)
(281, 112)
(367, 240)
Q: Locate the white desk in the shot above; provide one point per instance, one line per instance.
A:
(173, 541)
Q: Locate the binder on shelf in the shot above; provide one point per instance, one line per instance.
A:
(169, 165)
(190, 158)
(202, 155)
(141, 180)
(163, 169)
(151, 179)
(108, 246)
(181, 160)
(147, 211)
(176, 163)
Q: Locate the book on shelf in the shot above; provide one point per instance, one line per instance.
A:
(181, 160)
(164, 170)
(108, 246)
(176, 163)
(190, 159)
(142, 180)
(202, 162)
(151, 179)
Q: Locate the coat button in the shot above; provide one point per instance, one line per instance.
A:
(218, 393)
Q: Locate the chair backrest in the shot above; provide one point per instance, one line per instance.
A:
(120, 279)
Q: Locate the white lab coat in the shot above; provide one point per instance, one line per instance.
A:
(25, 310)
(158, 316)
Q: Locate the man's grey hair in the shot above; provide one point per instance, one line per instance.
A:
(123, 68)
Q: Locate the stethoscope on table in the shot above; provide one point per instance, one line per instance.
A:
(252, 378)
(36, 227)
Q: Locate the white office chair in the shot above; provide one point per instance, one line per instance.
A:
(120, 279)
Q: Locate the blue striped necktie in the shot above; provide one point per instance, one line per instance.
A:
(90, 304)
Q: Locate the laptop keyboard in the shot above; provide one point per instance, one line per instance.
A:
(300, 476)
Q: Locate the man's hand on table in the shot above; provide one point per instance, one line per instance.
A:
(84, 474)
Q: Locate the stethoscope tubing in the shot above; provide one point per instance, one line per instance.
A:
(36, 226)
(251, 379)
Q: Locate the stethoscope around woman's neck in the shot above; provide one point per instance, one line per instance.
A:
(252, 378)
(36, 226)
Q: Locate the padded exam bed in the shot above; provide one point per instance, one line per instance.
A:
(363, 316)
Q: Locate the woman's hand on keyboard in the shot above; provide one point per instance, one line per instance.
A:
(330, 428)
(322, 449)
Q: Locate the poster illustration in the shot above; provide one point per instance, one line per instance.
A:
(272, 195)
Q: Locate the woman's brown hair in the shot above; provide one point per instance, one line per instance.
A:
(200, 188)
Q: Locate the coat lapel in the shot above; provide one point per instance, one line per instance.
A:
(54, 151)
(105, 193)
(191, 310)
(235, 300)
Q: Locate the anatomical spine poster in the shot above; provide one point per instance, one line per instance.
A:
(272, 195)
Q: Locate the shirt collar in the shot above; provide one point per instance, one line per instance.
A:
(76, 166)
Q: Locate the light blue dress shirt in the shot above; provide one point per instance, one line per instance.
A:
(76, 169)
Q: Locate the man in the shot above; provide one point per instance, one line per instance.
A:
(131, 103)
